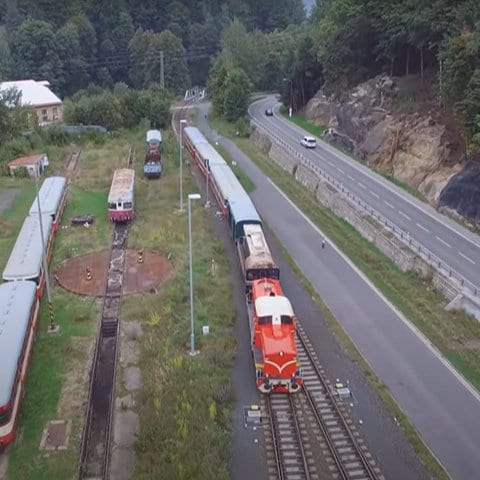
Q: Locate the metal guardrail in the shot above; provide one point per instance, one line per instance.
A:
(401, 234)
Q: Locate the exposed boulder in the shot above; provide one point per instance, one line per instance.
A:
(463, 192)
(422, 149)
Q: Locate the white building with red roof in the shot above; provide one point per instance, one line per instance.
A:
(34, 165)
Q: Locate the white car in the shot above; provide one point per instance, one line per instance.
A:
(309, 142)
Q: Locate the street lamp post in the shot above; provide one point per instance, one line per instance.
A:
(290, 110)
(44, 259)
(191, 196)
(182, 123)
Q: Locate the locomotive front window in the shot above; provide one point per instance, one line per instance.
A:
(286, 320)
(4, 417)
(112, 206)
(127, 205)
(267, 319)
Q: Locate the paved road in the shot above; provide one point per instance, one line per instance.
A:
(437, 401)
(456, 246)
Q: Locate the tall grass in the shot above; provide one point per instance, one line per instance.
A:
(185, 403)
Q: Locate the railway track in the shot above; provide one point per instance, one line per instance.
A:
(95, 447)
(310, 435)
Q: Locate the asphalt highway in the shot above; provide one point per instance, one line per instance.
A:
(455, 245)
(442, 406)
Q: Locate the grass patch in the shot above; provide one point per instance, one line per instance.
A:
(185, 403)
(303, 122)
(450, 332)
(402, 185)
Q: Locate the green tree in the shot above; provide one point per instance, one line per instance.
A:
(177, 79)
(145, 48)
(216, 85)
(36, 52)
(460, 60)
(74, 68)
(6, 65)
(237, 94)
(469, 106)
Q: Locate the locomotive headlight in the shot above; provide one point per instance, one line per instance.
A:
(281, 354)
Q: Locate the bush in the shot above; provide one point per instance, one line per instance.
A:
(14, 148)
(242, 127)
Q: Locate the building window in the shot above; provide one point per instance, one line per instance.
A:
(44, 115)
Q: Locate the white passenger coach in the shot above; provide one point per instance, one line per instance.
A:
(52, 195)
(25, 261)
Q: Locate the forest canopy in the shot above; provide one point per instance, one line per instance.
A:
(262, 44)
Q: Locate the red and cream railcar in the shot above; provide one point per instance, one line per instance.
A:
(19, 307)
(121, 198)
(272, 325)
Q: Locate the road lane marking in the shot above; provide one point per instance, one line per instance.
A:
(350, 177)
(389, 204)
(362, 185)
(374, 194)
(293, 131)
(340, 170)
(422, 227)
(423, 208)
(443, 241)
(330, 163)
(466, 258)
(475, 394)
(404, 215)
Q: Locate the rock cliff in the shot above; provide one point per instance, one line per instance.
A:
(388, 125)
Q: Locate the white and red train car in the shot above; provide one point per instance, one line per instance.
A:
(26, 258)
(272, 325)
(19, 307)
(271, 316)
(121, 198)
(51, 199)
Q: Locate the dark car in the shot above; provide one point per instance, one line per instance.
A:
(269, 112)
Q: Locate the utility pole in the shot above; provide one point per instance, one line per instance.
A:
(162, 73)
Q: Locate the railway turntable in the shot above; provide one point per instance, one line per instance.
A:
(145, 271)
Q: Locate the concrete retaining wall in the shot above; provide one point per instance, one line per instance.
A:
(330, 197)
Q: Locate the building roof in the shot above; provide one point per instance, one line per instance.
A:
(30, 160)
(34, 93)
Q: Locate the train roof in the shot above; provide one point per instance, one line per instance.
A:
(25, 260)
(242, 210)
(206, 151)
(273, 306)
(226, 181)
(123, 184)
(51, 193)
(16, 300)
(154, 135)
(195, 135)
